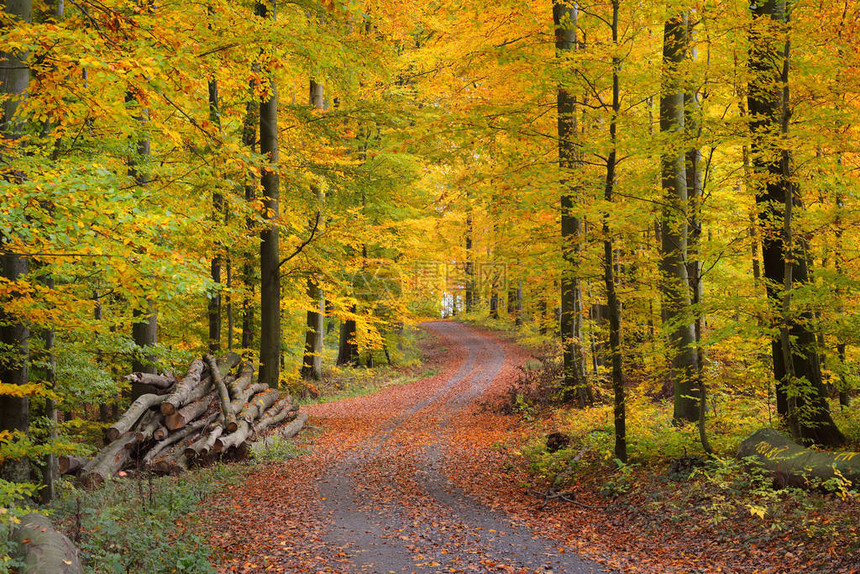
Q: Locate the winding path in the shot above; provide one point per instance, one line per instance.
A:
(376, 497)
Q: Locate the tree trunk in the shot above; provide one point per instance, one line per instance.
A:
(801, 399)
(44, 549)
(348, 349)
(14, 335)
(675, 283)
(288, 431)
(249, 140)
(312, 360)
(138, 408)
(188, 413)
(183, 389)
(226, 411)
(470, 271)
(108, 462)
(144, 330)
(159, 382)
(270, 283)
(71, 464)
(619, 408)
(695, 196)
(314, 337)
(575, 386)
(50, 470)
(793, 465)
(214, 306)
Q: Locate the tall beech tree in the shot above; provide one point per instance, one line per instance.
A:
(314, 338)
(675, 284)
(14, 331)
(214, 306)
(270, 278)
(249, 141)
(609, 276)
(575, 386)
(800, 394)
(144, 329)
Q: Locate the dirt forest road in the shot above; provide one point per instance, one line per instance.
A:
(384, 488)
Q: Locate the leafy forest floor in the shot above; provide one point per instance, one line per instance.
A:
(447, 474)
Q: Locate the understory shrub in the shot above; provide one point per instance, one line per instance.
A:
(142, 524)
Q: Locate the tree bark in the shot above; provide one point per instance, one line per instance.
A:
(575, 386)
(314, 337)
(348, 349)
(108, 462)
(470, 271)
(14, 334)
(249, 140)
(44, 549)
(288, 431)
(675, 282)
(270, 283)
(183, 389)
(226, 410)
(695, 196)
(619, 407)
(801, 399)
(71, 464)
(159, 382)
(144, 329)
(137, 409)
(214, 305)
(312, 359)
(175, 437)
(795, 465)
(188, 413)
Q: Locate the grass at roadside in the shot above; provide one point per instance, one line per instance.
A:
(341, 382)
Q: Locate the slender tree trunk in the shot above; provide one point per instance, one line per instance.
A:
(144, 329)
(695, 196)
(470, 269)
(312, 360)
(314, 337)
(844, 399)
(347, 353)
(801, 399)
(270, 283)
(619, 408)
(675, 283)
(575, 385)
(14, 334)
(249, 140)
(217, 210)
(50, 470)
(519, 320)
(228, 300)
(14, 370)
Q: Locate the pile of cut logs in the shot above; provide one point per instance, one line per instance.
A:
(208, 414)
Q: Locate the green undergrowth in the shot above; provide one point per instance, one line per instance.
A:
(141, 523)
(279, 449)
(668, 480)
(341, 382)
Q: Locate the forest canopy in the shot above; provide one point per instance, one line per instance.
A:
(664, 190)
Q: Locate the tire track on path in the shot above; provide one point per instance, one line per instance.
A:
(392, 507)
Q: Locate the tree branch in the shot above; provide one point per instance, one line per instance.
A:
(305, 243)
